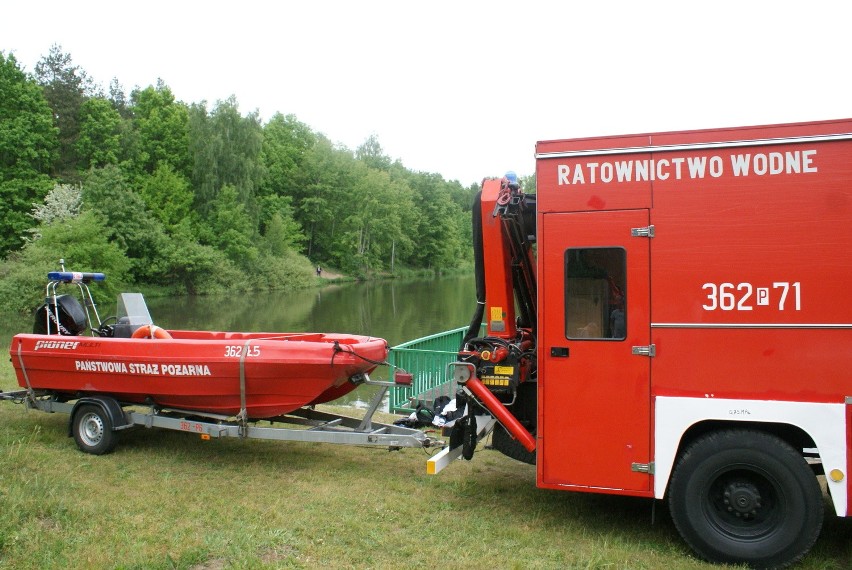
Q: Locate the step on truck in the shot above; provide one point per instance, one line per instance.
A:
(666, 317)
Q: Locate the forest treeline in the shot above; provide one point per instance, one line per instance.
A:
(152, 190)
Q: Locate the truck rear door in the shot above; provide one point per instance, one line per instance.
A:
(594, 425)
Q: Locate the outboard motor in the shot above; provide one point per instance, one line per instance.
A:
(66, 317)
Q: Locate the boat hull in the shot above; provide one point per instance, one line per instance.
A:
(199, 370)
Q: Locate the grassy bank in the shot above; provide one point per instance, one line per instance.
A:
(334, 276)
(169, 500)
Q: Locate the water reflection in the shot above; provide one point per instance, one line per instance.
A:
(394, 310)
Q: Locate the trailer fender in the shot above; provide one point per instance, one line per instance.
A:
(111, 408)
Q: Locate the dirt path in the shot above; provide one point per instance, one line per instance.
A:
(326, 274)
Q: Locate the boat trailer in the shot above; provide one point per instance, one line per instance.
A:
(98, 420)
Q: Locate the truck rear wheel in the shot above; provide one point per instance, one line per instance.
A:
(510, 447)
(743, 496)
(525, 410)
(93, 430)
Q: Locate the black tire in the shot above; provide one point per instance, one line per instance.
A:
(93, 430)
(511, 447)
(469, 439)
(743, 496)
(524, 410)
(456, 434)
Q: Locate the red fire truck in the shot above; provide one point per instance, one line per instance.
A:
(666, 318)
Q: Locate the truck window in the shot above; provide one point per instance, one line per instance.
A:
(595, 293)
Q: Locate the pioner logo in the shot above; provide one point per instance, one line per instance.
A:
(60, 344)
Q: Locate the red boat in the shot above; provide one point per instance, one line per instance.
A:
(256, 375)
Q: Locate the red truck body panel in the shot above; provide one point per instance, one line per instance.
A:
(739, 296)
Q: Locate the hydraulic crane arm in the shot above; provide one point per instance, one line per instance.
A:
(504, 231)
(492, 368)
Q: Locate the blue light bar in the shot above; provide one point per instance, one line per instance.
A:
(75, 276)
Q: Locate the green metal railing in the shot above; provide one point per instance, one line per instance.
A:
(426, 359)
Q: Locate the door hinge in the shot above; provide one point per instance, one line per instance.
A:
(647, 232)
(650, 350)
(643, 468)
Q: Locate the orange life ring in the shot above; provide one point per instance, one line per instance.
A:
(151, 331)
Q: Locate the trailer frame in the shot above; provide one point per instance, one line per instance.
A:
(97, 419)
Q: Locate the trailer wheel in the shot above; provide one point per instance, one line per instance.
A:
(93, 430)
(744, 496)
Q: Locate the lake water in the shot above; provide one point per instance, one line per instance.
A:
(396, 310)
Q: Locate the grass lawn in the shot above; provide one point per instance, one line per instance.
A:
(169, 500)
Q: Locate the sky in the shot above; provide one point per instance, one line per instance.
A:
(464, 88)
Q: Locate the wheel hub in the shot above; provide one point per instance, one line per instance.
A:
(742, 499)
(93, 429)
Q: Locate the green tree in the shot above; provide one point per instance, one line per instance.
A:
(280, 230)
(196, 268)
(354, 239)
(321, 196)
(286, 141)
(99, 142)
(168, 195)
(371, 154)
(161, 127)
(184, 190)
(528, 183)
(288, 270)
(396, 230)
(226, 150)
(28, 143)
(119, 100)
(439, 234)
(131, 226)
(84, 243)
(66, 87)
(463, 196)
(233, 231)
(372, 223)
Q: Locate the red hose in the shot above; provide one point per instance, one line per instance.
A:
(504, 416)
